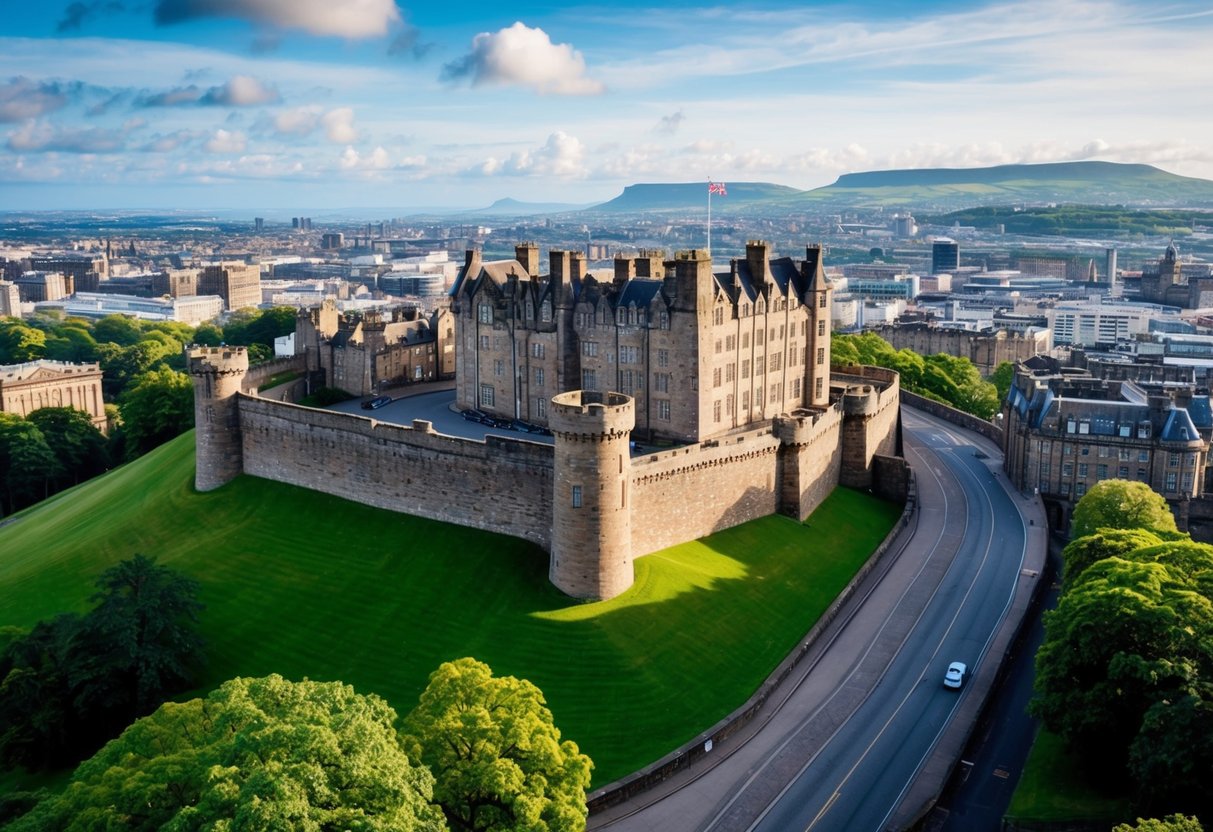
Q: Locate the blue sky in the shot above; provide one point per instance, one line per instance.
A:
(284, 104)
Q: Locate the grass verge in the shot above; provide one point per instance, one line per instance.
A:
(1056, 786)
(304, 584)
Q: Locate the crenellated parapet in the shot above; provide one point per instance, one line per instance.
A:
(218, 374)
(591, 555)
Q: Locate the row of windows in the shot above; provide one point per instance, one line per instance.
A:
(1174, 458)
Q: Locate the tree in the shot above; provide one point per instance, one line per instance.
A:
(20, 343)
(1171, 823)
(1121, 504)
(117, 329)
(1081, 552)
(28, 466)
(498, 759)
(1001, 378)
(74, 682)
(124, 365)
(158, 407)
(256, 754)
(76, 442)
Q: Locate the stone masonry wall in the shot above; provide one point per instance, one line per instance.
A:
(817, 464)
(690, 492)
(872, 432)
(259, 374)
(957, 417)
(501, 485)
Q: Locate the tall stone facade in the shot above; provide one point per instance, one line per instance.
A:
(701, 353)
(218, 373)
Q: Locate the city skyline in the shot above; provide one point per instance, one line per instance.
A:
(271, 104)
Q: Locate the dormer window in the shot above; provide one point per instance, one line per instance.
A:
(663, 321)
(546, 312)
(484, 313)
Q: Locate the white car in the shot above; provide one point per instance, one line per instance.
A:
(955, 677)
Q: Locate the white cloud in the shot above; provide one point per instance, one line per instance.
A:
(345, 19)
(300, 121)
(22, 98)
(339, 125)
(225, 141)
(36, 136)
(378, 159)
(561, 156)
(525, 57)
(669, 124)
(241, 91)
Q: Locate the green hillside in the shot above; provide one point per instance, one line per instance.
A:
(1088, 183)
(304, 584)
(684, 196)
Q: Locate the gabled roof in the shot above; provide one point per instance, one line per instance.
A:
(640, 291)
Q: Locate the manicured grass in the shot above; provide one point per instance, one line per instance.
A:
(303, 584)
(1056, 787)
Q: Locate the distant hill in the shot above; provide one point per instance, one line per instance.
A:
(514, 208)
(1086, 183)
(680, 196)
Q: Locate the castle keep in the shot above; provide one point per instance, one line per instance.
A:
(732, 369)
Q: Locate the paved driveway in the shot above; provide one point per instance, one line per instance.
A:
(436, 407)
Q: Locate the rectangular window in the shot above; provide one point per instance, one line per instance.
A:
(745, 340)
(498, 368)
(821, 328)
(484, 342)
(760, 337)
(776, 390)
(758, 396)
(745, 368)
(728, 405)
(760, 366)
(1103, 451)
(1082, 469)
(1172, 459)
(589, 349)
(719, 346)
(539, 376)
(541, 407)
(537, 350)
(716, 411)
(821, 301)
(730, 371)
(730, 343)
(1124, 472)
(776, 361)
(485, 313)
(1124, 454)
(588, 380)
(817, 386)
(576, 496)
(663, 358)
(1067, 469)
(1187, 480)
(821, 355)
(661, 382)
(745, 402)
(1101, 472)
(795, 388)
(486, 395)
(716, 379)
(1143, 456)
(1172, 481)
(1141, 474)
(663, 409)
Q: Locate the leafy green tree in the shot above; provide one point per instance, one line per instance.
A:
(498, 759)
(39, 725)
(256, 754)
(20, 343)
(117, 329)
(76, 442)
(1171, 759)
(1171, 823)
(1001, 378)
(158, 407)
(28, 466)
(842, 352)
(1121, 504)
(123, 365)
(141, 639)
(71, 342)
(1081, 552)
(208, 335)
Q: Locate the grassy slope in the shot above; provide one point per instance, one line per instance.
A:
(1054, 788)
(303, 584)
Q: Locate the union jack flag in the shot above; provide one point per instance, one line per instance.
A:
(717, 188)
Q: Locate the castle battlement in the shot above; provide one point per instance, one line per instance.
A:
(221, 361)
(586, 414)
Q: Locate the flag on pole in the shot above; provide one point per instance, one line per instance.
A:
(717, 188)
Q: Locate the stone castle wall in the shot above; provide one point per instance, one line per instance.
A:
(500, 485)
(872, 408)
(689, 492)
(261, 373)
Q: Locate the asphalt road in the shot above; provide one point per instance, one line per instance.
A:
(869, 719)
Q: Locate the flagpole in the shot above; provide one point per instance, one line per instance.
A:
(709, 218)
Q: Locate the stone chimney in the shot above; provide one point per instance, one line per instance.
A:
(528, 255)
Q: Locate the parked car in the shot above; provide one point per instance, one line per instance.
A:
(376, 403)
(955, 677)
(473, 415)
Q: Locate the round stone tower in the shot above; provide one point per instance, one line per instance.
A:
(591, 508)
(217, 373)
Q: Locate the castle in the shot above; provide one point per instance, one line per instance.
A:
(1165, 282)
(730, 370)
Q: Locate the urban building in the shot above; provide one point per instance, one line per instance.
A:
(190, 310)
(27, 387)
(10, 299)
(1065, 431)
(1169, 282)
(1100, 324)
(986, 348)
(945, 256)
(238, 284)
(34, 287)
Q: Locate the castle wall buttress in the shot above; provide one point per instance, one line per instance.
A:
(218, 373)
(810, 459)
(871, 405)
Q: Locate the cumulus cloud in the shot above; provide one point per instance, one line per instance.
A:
(562, 156)
(39, 137)
(240, 91)
(377, 159)
(525, 57)
(225, 141)
(408, 43)
(299, 121)
(669, 124)
(339, 126)
(22, 98)
(348, 19)
(169, 142)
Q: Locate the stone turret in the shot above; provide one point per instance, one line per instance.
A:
(217, 373)
(591, 514)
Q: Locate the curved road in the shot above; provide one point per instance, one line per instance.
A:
(865, 717)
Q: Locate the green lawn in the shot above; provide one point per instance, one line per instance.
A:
(1055, 787)
(303, 584)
